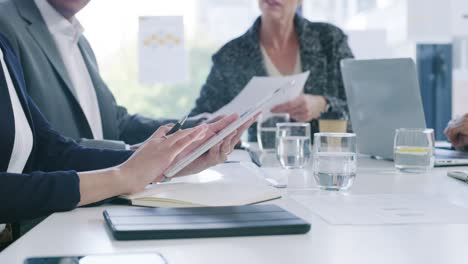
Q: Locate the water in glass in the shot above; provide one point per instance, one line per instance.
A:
(414, 159)
(335, 160)
(293, 151)
(334, 170)
(414, 150)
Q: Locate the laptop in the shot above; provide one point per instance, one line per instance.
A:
(384, 95)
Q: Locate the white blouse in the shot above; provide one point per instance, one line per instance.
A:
(271, 68)
(23, 142)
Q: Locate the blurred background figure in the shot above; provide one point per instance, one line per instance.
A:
(280, 42)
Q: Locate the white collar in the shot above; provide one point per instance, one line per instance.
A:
(56, 23)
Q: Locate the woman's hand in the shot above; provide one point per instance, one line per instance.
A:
(304, 108)
(218, 153)
(156, 154)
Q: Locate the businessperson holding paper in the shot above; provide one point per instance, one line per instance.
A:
(42, 172)
(62, 75)
(280, 42)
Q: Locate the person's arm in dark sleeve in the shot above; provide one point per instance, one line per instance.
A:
(27, 196)
(339, 50)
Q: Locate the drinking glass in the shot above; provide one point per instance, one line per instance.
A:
(335, 160)
(293, 144)
(266, 130)
(414, 150)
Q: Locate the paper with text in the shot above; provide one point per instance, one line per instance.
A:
(162, 56)
(383, 209)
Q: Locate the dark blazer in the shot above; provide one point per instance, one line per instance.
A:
(49, 85)
(49, 182)
(322, 47)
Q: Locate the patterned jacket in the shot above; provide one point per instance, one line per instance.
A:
(322, 47)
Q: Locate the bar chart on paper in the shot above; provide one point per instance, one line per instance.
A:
(162, 56)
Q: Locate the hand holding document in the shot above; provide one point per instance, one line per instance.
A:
(247, 111)
(258, 88)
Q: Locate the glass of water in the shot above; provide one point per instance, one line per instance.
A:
(266, 130)
(293, 144)
(335, 160)
(414, 150)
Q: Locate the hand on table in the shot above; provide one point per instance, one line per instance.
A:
(457, 131)
(304, 108)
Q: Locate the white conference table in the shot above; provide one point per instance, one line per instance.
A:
(83, 231)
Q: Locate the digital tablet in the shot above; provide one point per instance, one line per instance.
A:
(244, 117)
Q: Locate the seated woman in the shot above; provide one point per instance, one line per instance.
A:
(281, 43)
(38, 167)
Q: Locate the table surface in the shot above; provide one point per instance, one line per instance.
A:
(83, 231)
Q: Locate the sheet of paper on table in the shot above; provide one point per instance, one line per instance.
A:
(162, 57)
(383, 209)
(259, 88)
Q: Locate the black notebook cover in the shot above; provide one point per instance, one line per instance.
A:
(164, 223)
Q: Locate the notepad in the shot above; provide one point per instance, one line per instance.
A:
(230, 184)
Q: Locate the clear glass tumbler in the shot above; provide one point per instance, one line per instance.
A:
(293, 144)
(414, 150)
(335, 160)
(266, 130)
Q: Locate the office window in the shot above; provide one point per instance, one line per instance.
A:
(112, 29)
(365, 5)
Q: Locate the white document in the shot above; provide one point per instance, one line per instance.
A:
(228, 184)
(383, 209)
(161, 50)
(259, 88)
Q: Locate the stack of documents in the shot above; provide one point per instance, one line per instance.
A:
(229, 184)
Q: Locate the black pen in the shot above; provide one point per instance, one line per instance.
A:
(177, 126)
